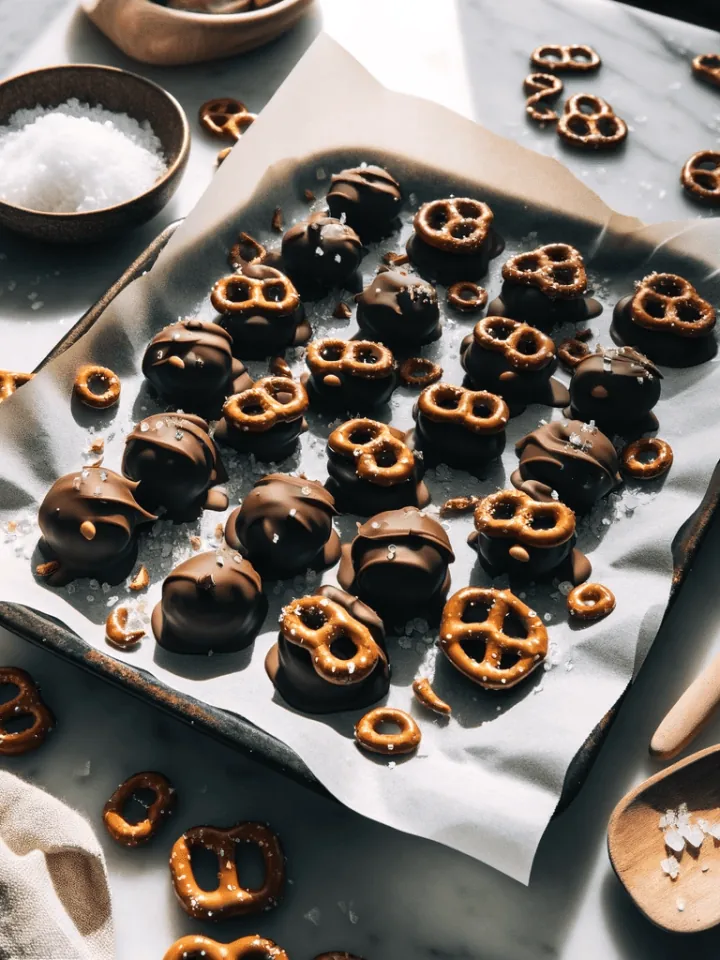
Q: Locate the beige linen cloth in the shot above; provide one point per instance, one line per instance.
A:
(54, 894)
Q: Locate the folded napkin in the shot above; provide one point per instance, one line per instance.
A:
(54, 894)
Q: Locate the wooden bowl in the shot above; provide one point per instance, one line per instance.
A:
(152, 33)
(115, 90)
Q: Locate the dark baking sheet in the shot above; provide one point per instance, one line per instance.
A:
(228, 727)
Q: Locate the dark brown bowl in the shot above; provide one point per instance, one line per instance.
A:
(115, 90)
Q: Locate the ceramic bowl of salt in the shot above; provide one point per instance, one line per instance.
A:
(87, 152)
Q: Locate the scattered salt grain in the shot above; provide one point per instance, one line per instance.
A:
(680, 904)
(674, 840)
(313, 916)
(671, 867)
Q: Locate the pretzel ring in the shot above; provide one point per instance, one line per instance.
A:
(270, 401)
(116, 632)
(504, 660)
(541, 87)
(425, 695)
(239, 295)
(380, 456)
(90, 374)
(706, 66)
(669, 303)
(476, 410)
(419, 372)
(134, 834)
(641, 469)
(523, 346)
(27, 702)
(368, 736)
(246, 251)
(597, 126)
(576, 57)
(590, 601)
(226, 117)
(466, 296)
(572, 352)
(514, 515)
(557, 269)
(701, 176)
(229, 898)
(196, 947)
(358, 358)
(315, 623)
(458, 225)
(9, 382)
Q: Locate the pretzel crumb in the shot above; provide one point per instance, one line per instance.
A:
(196, 543)
(140, 580)
(309, 196)
(219, 531)
(425, 695)
(459, 505)
(47, 569)
(584, 335)
(115, 632)
(97, 446)
(277, 221)
(394, 259)
(342, 311)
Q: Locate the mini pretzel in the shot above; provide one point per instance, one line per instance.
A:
(134, 834)
(701, 176)
(116, 632)
(590, 601)
(458, 225)
(572, 352)
(226, 117)
(599, 127)
(9, 382)
(315, 623)
(331, 357)
(476, 410)
(383, 459)
(83, 391)
(425, 695)
(27, 702)
(367, 735)
(523, 346)
(196, 947)
(512, 514)
(505, 660)
(466, 296)
(706, 66)
(241, 296)
(419, 372)
(246, 251)
(271, 401)
(459, 505)
(229, 898)
(669, 303)
(636, 466)
(556, 57)
(541, 87)
(556, 268)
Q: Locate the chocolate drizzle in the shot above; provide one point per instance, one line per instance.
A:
(616, 389)
(369, 198)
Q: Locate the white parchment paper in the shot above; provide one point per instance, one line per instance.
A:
(486, 782)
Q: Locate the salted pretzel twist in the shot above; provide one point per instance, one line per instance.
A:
(246, 251)
(597, 126)
(9, 382)
(669, 303)
(315, 623)
(242, 296)
(419, 372)
(270, 401)
(368, 735)
(706, 66)
(197, 947)
(572, 352)
(574, 57)
(229, 898)
(636, 465)
(523, 346)
(701, 176)
(477, 410)
(381, 457)
(505, 660)
(27, 702)
(541, 87)
(466, 296)
(514, 515)
(557, 269)
(134, 834)
(457, 225)
(357, 358)
(226, 117)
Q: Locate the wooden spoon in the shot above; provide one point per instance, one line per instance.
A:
(689, 715)
(636, 845)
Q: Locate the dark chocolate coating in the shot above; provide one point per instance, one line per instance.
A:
(581, 470)
(369, 197)
(399, 310)
(531, 305)
(211, 602)
(454, 444)
(291, 671)
(352, 395)
(617, 389)
(668, 349)
(398, 565)
(209, 373)
(107, 501)
(494, 553)
(265, 333)
(175, 464)
(449, 268)
(285, 526)
(320, 253)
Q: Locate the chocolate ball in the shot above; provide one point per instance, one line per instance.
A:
(399, 309)
(616, 389)
(320, 253)
(291, 666)
(176, 466)
(89, 523)
(368, 198)
(349, 376)
(570, 457)
(191, 366)
(266, 420)
(398, 565)
(285, 526)
(212, 602)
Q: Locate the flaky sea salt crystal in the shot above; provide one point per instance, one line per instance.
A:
(671, 867)
(674, 840)
(680, 904)
(313, 916)
(693, 834)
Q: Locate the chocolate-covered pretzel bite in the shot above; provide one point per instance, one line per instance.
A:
(321, 253)
(265, 420)
(616, 389)
(368, 198)
(399, 309)
(350, 376)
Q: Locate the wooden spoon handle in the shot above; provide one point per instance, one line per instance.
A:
(689, 715)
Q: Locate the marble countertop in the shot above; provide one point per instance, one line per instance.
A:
(356, 885)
